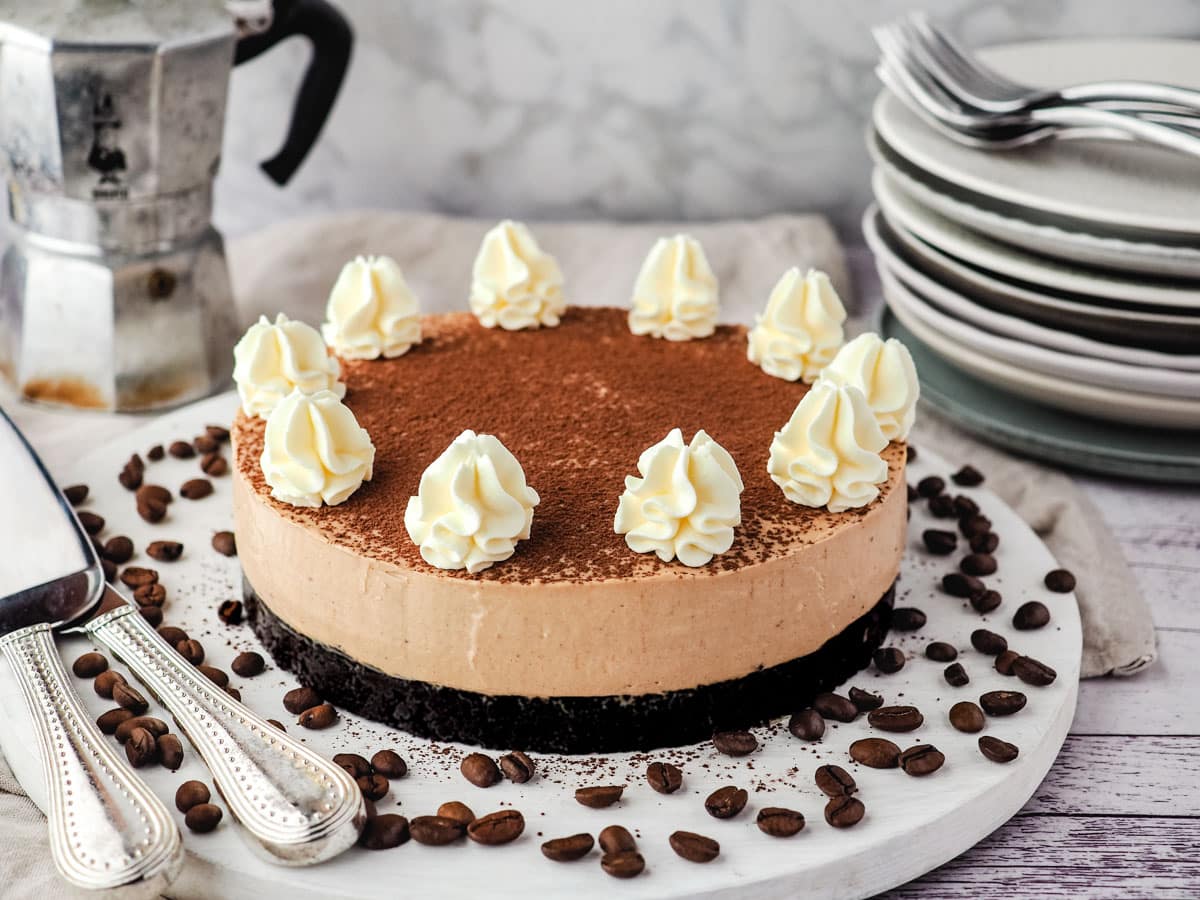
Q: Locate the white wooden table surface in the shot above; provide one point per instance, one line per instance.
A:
(1119, 814)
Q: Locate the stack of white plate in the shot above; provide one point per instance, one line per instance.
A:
(1050, 295)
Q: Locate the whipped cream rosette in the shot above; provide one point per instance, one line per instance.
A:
(800, 331)
(272, 359)
(371, 311)
(515, 284)
(884, 372)
(676, 295)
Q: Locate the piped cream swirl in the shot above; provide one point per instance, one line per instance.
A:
(371, 312)
(515, 284)
(272, 359)
(884, 372)
(799, 332)
(676, 295)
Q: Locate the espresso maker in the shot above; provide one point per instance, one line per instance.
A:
(114, 291)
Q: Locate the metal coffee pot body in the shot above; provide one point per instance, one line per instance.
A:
(114, 291)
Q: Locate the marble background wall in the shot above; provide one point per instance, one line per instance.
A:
(626, 109)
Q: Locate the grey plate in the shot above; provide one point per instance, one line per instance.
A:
(1039, 431)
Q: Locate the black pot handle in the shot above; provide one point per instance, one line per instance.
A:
(331, 38)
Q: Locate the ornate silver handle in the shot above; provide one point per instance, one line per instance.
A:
(107, 829)
(299, 807)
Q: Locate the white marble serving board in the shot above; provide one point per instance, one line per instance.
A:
(912, 825)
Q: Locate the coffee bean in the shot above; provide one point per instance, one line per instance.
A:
(964, 506)
(930, 486)
(196, 489)
(876, 753)
(834, 781)
(191, 650)
(150, 594)
(844, 812)
(218, 432)
(966, 717)
(985, 601)
(92, 523)
(694, 847)
(151, 510)
(956, 675)
(940, 651)
(89, 665)
(130, 477)
(664, 777)
(75, 493)
(726, 802)
(896, 718)
(942, 506)
(907, 618)
(155, 492)
(276, 723)
(152, 614)
(170, 752)
(233, 692)
(912, 496)
(104, 683)
(230, 612)
(997, 750)
(156, 727)
(956, 584)
(225, 543)
(214, 465)
(164, 551)
(865, 701)
(735, 743)
(202, 818)
(628, 864)
(779, 822)
(985, 542)
(616, 839)
(172, 635)
(494, 829)
(205, 443)
(1002, 703)
(384, 832)
(213, 674)
(808, 725)
(1031, 671)
(118, 549)
(1030, 616)
(568, 849)
(910, 453)
(479, 769)
(108, 721)
(373, 787)
(248, 664)
(921, 759)
(191, 793)
(599, 797)
(888, 660)
(436, 831)
(988, 642)
(389, 763)
(1004, 662)
(137, 576)
(835, 706)
(181, 450)
(110, 570)
(318, 717)
(155, 453)
(1060, 581)
(458, 811)
(298, 700)
(978, 564)
(356, 765)
(141, 748)
(970, 526)
(967, 476)
(128, 698)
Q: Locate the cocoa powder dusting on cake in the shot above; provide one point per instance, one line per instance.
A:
(576, 405)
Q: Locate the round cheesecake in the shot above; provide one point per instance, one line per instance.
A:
(575, 643)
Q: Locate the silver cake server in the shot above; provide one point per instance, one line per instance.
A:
(108, 831)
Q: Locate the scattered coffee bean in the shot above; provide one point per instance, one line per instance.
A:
(75, 493)
(970, 526)
(985, 542)
(152, 614)
(735, 743)
(1004, 662)
(967, 717)
(988, 642)
(912, 496)
(599, 797)
(89, 665)
(956, 675)
(356, 765)
(298, 700)
(170, 752)
(967, 476)
(907, 618)
(172, 635)
(494, 829)
(694, 847)
(118, 550)
(921, 759)
(165, 551)
(726, 802)
(318, 717)
(137, 576)
(191, 650)
(196, 489)
(389, 763)
(181, 450)
(835, 706)
(233, 692)
(628, 864)
(875, 753)
(108, 722)
(129, 698)
(276, 723)
(956, 584)
(373, 787)
(130, 477)
(225, 543)
(834, 781)
(213, 674)
(436, 831)
(1002, 703)
(978, 564)
(150, 594)
(141, 748)
(865, 701)
(941, 506)
(480, 769)
(985, 601)
(964, 506)
(910, 453)
(779, 822)
(568, 849)
(205, 443)
(92, 523)
(1030, 616)
(191, 793)
(1060, 581)
(248, 664)
(156, 453)
(230, 612)
(616, 839)
(997, 750)
(930, 486)
(940, 651)
(384, 832)
(844, 812)
(104, 683)
(1031, 671)
(458, 811)
(155, 492)
(202, 818)
(888, 660)
(664, 777)
(896, 718)
(151, 510)
(156, 727)
(110, 570)
(214, 465)
(808, 725)
(218, 432)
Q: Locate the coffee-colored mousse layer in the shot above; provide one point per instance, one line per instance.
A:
(574, 611)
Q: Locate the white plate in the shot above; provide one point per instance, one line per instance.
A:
(1106, 403)
(971, 210)
(912, 825)
(1143, 192)
(1014, 264)
(960, 307)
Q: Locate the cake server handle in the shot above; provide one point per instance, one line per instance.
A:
(299, 807)
(108, 831)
